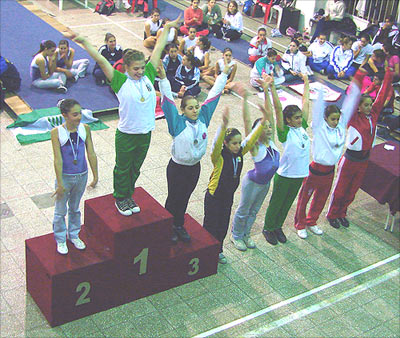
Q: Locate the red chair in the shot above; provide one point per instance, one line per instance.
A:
(267, 7)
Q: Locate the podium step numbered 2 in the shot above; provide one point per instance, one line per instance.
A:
(126, 258)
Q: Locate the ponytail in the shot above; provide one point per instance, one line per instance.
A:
(46, 44)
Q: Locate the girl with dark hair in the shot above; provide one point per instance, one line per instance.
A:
(66, 64)
(69, 142)
(202, 55)
(341, 60)
(189, 132)
(294, 62)
(212, 17)
(112, 53)
(188, 76)
(137, 103)
(171, 62)
(193, 17)
(354, 162)
(43, 68)
(255, 184)
(227, 158)
(329, 133)
(293, 166)
(233, 22)
(393, 61)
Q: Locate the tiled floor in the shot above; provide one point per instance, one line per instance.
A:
(265, 278)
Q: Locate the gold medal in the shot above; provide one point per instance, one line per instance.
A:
(75, 162)
(142, 99)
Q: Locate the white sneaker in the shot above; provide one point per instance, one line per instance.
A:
(62, 248)
(302, 233)
(61, 89)
(314, 229)
(239, 244)
(249, 242)
(79, 244)
(123, 207)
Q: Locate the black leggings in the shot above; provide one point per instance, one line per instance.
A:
(182, 179)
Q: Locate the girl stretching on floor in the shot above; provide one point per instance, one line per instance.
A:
(66, 64)
(255, 184)
(293, 166)
(43, 68)
(329, 132)
(137, 103)
(69, 142)
(227, 159)
(189, 132)
(354, 162)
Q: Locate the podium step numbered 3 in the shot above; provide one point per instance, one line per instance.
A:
(126, 258)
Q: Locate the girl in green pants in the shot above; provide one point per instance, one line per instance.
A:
(291, 126)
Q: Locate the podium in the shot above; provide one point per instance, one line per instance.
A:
(126, 258)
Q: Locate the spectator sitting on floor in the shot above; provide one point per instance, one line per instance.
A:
(376, 63)
(393, 61)
(119, 65)
(202, 55)
(233, 22)
(171, 62)
(172, 35)
(334, 14)
(43, 68)
(193, 17)
(294, 63)
(319, 53)
(259, 45)
(188, 76)
(212, 18)
(112, 52)
(66, 64)
(341, 60)
(362, 50)
(269, 66)
(188, 43)
(387, 33)
(151, 28)
(226, 60)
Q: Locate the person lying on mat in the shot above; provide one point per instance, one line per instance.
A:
(111, 52)
(43, 68)
(137, 103)
(66, 64)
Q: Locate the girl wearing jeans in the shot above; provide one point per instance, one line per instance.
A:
(69, 142)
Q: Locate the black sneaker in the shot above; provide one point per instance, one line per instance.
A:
(344, 222)
(334, 222)
(280, 235)
(133, 206)
(270, 237)
(182, 234)
(123, 207)
(331, 77)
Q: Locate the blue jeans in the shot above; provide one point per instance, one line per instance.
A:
(347, 73)
(317, 67)
(74, 188)
(252, 197)
(54, 81)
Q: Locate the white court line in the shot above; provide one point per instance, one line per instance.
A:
(325, 303)
(298, 297)
(106, 23)
(125, 29)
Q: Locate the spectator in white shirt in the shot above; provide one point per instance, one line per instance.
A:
(362, 50)
(259, 45)
(319, 53)
(334, 14)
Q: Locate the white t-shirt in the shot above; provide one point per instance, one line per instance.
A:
(364, 52)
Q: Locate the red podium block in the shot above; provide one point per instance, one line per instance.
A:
(72, 286)
(126, 237)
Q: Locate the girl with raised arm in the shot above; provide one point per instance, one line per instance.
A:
(137, 103)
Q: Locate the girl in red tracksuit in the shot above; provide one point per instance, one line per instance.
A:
(353, 164)
(329, 130)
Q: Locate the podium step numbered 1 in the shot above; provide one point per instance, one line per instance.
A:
(126, 258)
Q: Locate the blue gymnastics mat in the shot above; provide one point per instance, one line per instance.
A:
(20, 37)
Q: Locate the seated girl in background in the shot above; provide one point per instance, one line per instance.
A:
(226, 60)
(341, 60)
(112, 52)
(294, 63)
(227, 158)
(269, 66)
(66, 64)
(202, 55)
(376, 63)
(319, 53)
(188, 43)
(259, 45)
(362, 51)
(188, 76)
(120, 65)
(233, 22)
(151, 28)
(173, 33)
(393, 61)
(171, 62)
(189, 133)
(43, 68)
(193, 17)
(212, 18)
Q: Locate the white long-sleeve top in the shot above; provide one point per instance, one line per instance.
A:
(335, 10)
(295, 62)
(328, 142)
(320, 53)
(235, 21)
(341, 59)
(262, 48)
